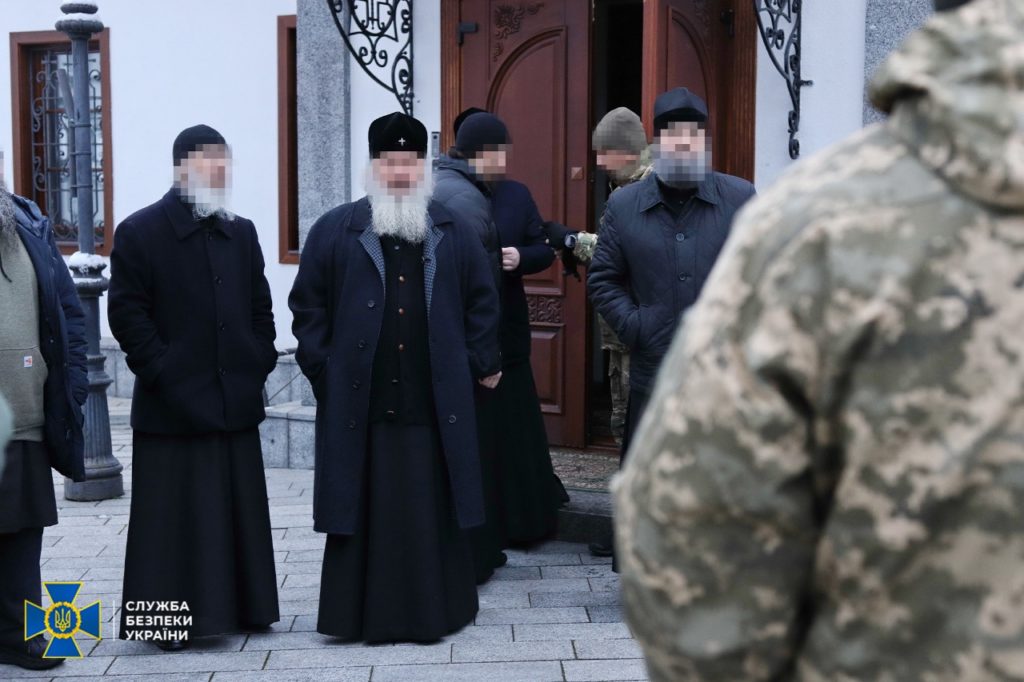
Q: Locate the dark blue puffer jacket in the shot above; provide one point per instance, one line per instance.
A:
(650, 265)
(61, 340)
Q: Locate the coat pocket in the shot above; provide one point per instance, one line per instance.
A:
(23, 374)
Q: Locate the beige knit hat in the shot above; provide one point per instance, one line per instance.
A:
(622, 130)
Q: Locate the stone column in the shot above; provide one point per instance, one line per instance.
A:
(322, 72)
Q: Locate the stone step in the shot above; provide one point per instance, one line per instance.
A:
(587, 517)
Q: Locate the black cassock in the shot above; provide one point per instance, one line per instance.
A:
(191, 308)
(406, 573)
(200, 530)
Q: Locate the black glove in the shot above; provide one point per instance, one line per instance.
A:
(561, 238)
(570, 264)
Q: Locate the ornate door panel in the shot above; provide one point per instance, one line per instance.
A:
(529, 63)
(710, 47)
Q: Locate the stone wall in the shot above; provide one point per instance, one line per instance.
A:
(888, 23)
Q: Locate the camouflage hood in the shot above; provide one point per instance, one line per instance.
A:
(955, 91)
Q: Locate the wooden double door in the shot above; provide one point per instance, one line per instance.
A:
(530, 62)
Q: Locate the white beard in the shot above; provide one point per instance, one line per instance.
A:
(404, 217)
(208, 201)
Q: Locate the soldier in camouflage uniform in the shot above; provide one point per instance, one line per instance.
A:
(620, 142)
(829, 483)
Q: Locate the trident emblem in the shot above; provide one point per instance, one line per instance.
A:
(62, 620)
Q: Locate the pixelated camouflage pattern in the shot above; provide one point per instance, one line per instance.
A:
(618, 359)
(618, 388)
(829, 482)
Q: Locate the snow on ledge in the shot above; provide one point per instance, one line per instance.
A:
(86, 261)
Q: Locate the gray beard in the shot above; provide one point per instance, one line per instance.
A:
(207, 201)
(403, 217)
(7, 220)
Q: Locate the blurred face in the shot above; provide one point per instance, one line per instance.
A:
(209, 167)
(490, 163)
(682, 154)
(204, 177)
(398, 173)
(616, 161)
(683, 139)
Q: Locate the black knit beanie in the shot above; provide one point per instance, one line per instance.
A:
(479, 131)
(191, 139)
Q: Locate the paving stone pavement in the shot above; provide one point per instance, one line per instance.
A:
(551, 614)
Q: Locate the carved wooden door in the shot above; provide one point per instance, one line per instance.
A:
(528, 62)
(710, 47)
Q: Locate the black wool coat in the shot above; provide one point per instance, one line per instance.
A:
(520, 226)
(191, 308)
(650, 266)
(338, 306)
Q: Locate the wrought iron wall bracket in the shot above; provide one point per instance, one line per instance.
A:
(378, 33)
(779, 23)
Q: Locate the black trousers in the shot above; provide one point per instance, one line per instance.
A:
(27, 504)
(635, 408)
(20, 579)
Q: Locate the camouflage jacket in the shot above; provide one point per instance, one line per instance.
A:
(585, 253)
(829, 483)
(587, 241)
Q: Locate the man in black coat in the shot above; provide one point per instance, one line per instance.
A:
(463, 186)
(43, 377)
(396, 316)
(191, 308)
(660, 237)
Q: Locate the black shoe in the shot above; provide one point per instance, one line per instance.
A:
(28, 655)
(173, 645)
(601, 549)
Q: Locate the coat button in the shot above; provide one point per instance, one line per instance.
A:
(51, 340)
(222, 371)
(361, 344)
(451, 419)
(401, 346)
(394, 381)
(401, 311)
(683, 278)
(351, 423)
(370, 303)
(680, 237)
(223, 326)
(218, 280)
(355, 385)
(401, 278)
